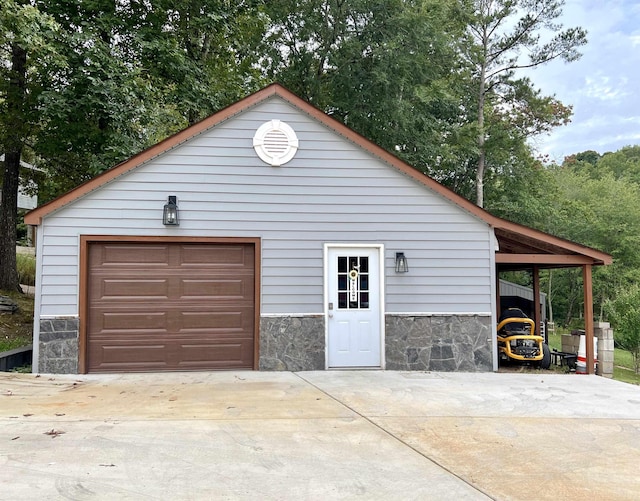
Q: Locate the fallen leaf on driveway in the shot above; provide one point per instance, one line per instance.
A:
(54, 433)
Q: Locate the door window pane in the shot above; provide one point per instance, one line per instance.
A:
(342, 300)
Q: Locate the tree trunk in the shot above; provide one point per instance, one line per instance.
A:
(14, 138)
(482, 89)
(8, 218)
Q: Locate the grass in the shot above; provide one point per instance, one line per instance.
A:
(26, 268)
(555, 341)
(623, 367)
(16, 329)
(623, 358)
(625, 375)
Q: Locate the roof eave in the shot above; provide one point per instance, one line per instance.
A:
(35, 216)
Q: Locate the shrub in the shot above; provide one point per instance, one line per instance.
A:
(624, 313)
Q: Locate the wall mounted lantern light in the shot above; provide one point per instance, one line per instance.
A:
(170, 214)
(402, 265)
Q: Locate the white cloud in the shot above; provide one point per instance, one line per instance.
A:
(605, 89)
(602, 86)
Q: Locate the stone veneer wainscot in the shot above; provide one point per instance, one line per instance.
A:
(58, 346)
(423, 343)
(295, 343)
(439, 343)
(292, 343)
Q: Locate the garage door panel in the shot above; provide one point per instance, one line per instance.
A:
(217, 288)
(151, 255)
(128, 321)
(116, 357)
(197, 312)
(175, 355)
(236, 353)
(137, 286)
(210, 256)
(140, 288)
(216, 321)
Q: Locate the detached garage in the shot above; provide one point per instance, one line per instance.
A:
(270, 236)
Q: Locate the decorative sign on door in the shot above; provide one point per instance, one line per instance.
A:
(353, 282)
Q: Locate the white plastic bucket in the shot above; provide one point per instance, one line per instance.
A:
(581, 364)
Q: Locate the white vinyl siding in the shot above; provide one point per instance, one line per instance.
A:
(332, 191)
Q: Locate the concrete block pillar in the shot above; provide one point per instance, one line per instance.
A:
(604, 333)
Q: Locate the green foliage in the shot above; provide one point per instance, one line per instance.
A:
(26, 54)
(624, 313)
(623, 164)
(118, 77)
(386, 69)
(522, 191)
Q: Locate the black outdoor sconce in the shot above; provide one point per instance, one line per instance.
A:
(402, 265)
(170, 214)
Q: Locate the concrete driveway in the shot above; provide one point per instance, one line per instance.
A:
(318, 436)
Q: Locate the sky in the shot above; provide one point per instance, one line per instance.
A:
(603, 86)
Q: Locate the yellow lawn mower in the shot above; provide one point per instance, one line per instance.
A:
(517, 341)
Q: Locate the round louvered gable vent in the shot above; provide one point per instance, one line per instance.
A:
(275, 142)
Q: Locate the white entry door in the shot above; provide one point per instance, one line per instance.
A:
(353, 309)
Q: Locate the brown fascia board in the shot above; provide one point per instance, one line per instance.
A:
(35, 216)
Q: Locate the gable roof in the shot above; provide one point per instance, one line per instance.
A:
(518, 244)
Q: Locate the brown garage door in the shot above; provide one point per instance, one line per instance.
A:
(170, 306)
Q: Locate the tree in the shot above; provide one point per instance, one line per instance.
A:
(138, 72)
(25, 54)
(92, 112)
(523, 190)
(589, 205)
(624, 313)
(387, 69)
(84, 85)
(501, 31)
(201, 55)
(622, 164)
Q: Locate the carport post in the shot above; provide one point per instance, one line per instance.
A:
(588, 316)
(537, 317)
